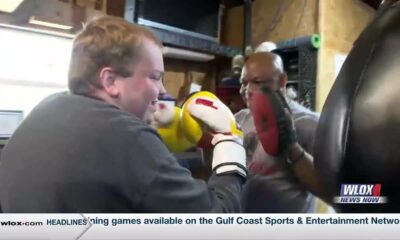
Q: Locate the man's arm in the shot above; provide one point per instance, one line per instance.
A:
(306, 127)
(303, 168)
(172, 188)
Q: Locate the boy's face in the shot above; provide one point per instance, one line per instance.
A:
(139, 93)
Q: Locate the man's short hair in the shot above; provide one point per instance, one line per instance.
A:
(105, 42)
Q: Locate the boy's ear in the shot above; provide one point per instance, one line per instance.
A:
(107, 79)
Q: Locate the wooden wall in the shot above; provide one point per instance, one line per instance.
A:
(272, 20)
(180, 73)
(340, 23)
(232, 33)
(277, 20)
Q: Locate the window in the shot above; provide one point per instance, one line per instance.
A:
(33, 66)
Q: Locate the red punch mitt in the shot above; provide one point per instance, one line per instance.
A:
(273, 122)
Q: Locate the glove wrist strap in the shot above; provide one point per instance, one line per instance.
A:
(224, 137)
(229, 155)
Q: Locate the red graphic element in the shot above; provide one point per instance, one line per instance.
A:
(376, 191)
(205, 102)
(162, 106)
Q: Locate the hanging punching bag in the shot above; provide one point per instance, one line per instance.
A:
(358, 137)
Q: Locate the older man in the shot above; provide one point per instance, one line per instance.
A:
(283, 183)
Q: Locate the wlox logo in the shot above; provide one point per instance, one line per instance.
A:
(360, 194)
(14, 223)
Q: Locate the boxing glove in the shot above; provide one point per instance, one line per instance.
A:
(203, 114)
(214, 117)
(274, 126)
(166, 121)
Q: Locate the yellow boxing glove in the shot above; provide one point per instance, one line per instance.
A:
(216, 118)
(166, 121)
(204, 116)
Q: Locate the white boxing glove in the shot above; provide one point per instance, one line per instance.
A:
(204, 114)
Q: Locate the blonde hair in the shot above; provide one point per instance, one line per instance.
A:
(105, 42)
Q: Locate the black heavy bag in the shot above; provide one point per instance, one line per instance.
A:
(358, 138)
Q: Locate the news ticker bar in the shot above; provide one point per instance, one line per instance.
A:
(199, 226)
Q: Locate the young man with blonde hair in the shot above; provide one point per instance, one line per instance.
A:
(91, 150)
